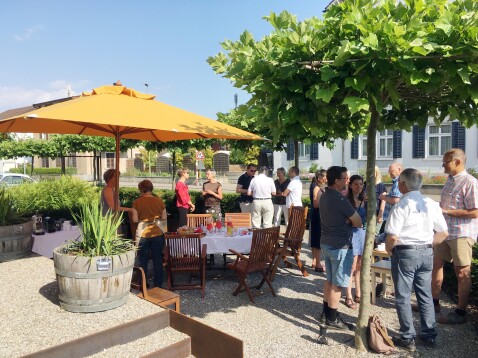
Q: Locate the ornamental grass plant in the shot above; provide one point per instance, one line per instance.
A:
(8, 212)
(99, 232)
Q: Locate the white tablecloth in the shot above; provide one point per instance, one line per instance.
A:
(44, 244)
(220, 244)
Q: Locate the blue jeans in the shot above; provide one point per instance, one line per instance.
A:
(413, 268)
(155, 245)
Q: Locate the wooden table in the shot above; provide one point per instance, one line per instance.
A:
(382, 267)
(219, 243)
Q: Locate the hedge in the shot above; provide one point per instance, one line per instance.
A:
(42, 171)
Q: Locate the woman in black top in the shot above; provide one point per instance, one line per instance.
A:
(315, 191)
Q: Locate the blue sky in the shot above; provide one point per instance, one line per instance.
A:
(48, 45)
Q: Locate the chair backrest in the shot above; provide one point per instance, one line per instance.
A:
(264, 245)
(183, 251)
(297, 220)
(196, 220)
(239, 219)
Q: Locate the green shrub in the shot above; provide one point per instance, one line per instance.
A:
(313, 168)
(45, 171)
(53, 197)
(8, 213)
(473, 172)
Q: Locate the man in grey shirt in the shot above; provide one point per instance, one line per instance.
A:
(337, 217)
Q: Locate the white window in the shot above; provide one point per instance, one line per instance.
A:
(110, 160)
(439, 139)
(304, 150)
(385, 143)
(363, 141)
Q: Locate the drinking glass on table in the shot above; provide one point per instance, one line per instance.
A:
(209, 225)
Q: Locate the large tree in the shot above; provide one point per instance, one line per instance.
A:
(368, 65)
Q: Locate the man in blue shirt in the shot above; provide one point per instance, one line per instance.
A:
(394, 195)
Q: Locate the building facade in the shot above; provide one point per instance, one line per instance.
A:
(421, 148)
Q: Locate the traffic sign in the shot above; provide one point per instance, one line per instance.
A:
(199, 155)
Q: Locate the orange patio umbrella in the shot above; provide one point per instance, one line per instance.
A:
(122, 113)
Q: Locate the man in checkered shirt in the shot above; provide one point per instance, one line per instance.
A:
(459, 203)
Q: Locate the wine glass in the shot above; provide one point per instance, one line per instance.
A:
(209, 225)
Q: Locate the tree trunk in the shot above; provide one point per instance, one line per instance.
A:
(33, 161)
(95, 177)
(361, 333)
(63, 167)
(296, 153)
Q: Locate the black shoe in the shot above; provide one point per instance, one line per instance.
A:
(337, 324)
(429, 342)
(408, 344)
(322, 318)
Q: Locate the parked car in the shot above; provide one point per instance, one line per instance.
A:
(15, 179)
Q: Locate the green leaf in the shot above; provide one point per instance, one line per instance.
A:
(328, 72)
(356, 104)
(357, 83)
(417, 42)
(420, 50)
(371, 41)
(465, 76)
(326, 94)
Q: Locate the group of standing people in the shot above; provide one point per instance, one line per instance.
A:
(268, 200)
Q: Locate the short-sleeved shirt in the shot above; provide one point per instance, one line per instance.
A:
(148, 208)
(245, 181)
(211, 200)
(394, 193)
(460, 192)
(295, 194)
(279, 199)
(414, 218)
(379, 189)
(262, 187)
(335, 209)
(182, 195)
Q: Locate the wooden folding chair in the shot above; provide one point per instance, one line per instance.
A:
(156, 295)
(292, 240)
(239, 219)
(263, 250)
(185, 254)
(196, 220)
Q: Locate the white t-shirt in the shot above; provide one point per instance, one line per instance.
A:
(261, 187)
(414, 218)
(295, 195)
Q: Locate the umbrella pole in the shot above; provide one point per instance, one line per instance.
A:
(117, 161)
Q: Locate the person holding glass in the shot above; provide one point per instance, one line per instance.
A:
(149, 236)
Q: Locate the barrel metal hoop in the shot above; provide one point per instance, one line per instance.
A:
(86, 275)
(11, 238)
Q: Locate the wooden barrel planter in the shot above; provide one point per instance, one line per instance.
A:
(93, 284)
(15, 241)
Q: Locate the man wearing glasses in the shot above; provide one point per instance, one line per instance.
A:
(337, 217)
(245, 201)
(459, 204)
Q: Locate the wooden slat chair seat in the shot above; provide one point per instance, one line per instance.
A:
(260, 259)
(185, 254)
(292, 240)
(156, 295)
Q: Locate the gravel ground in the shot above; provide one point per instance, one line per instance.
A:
(287, 325)
(284, 326)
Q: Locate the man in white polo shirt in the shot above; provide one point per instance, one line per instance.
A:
(293, 193)
(262, 188)
(414, 224)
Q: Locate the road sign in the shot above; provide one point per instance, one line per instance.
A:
(199, 155)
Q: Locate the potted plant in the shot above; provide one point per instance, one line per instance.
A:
(15, 230)
(94, 273)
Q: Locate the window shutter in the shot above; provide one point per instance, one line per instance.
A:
(354, 148)
(418, 150)
(458, 136)
(290, 150)
(397, 144)
(314, 151)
